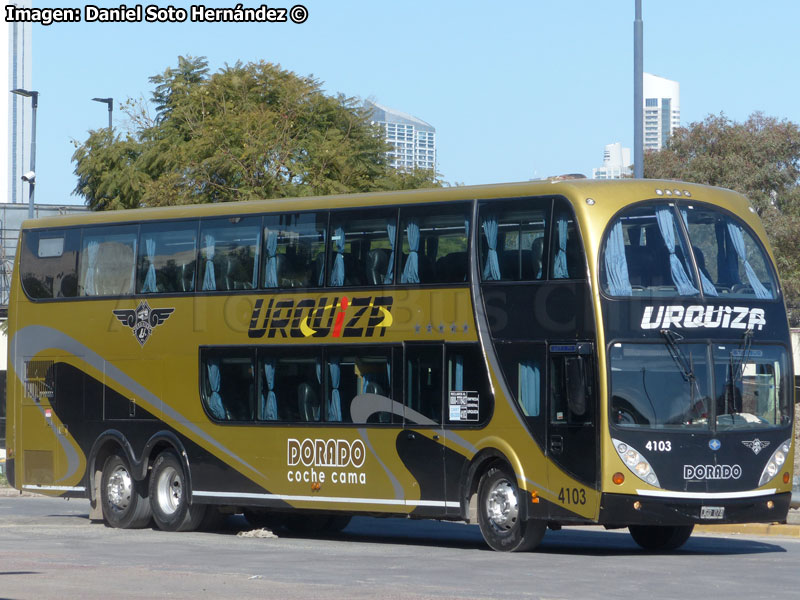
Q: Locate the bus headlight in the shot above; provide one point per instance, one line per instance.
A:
(775, 463)
(636, 462)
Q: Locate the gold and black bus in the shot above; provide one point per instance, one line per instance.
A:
(523, 355)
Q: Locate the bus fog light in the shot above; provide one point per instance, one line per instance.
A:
(637, 463)
(770, 504)
(774, 463)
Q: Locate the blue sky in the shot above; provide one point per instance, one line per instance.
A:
(516, 90)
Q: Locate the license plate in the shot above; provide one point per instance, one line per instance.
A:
(712, 512)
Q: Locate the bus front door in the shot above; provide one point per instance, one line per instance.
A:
(572, 414)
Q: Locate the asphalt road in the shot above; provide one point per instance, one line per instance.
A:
(50, 549)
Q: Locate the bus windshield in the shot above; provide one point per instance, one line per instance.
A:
(670, 385)
(646, 253)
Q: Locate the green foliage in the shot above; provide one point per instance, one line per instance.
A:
(759, 158)
(249, 131)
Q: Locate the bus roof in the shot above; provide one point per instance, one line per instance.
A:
(614, 194)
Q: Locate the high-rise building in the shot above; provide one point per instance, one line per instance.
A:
(413, 140)
(616, 163)
(15, 122)
(662, 110)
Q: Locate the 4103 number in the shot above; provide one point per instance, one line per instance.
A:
(573, 496)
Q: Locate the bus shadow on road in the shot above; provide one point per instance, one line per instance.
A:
(584, 541)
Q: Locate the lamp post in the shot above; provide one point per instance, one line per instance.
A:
(30, 176)
(638, 95)
(110, 102)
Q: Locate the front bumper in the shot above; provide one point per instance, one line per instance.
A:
(618, 510)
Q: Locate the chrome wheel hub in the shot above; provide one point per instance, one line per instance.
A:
(502, 505)
(169, 490)
(119, 489)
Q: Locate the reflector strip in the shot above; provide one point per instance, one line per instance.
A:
(290, 498)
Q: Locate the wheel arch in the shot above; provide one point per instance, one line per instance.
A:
(481, 463)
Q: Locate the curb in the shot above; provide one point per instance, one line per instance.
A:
(9, 492)
(779, 529)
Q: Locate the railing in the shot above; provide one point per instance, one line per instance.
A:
(8, 249)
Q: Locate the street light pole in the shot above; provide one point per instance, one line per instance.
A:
(30, 176)
(638, 95)
(110, 102)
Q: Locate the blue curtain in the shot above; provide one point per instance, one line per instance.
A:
(708, 287)
(459, 372)
(491, 270)
(666, 224)
(529, 388)
(337, 274)
(321, 280)
(269, 409)
(150, 279)
(391, 229)
(737, 238)
(215, 400)
(209, 279)
(411, 270)
(727, 261)
(560, 270)
(335, 406)
(271, 274)
(619, 283)
(90, 287)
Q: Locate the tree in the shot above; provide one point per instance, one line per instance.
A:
(249, 131)
(759, 158)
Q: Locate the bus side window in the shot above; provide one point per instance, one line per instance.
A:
(469, 399)
(107, 261)
(167, 257)
(294, 250)
(434, 244)
(512, 240)
(423, 372)
(48, 263)
(360, 386)
(291, 387)
(228, 382)
(362, 248)
(567, 251)
(229, 253)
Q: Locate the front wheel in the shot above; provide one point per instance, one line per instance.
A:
(122, 497)
(499, 514)
(660, 537)
(169, 496)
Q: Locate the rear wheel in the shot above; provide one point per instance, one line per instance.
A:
(499, 514)
(660, 537)
(169, 496)
(122, 497)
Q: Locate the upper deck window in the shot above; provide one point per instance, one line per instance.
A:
(107, 261)
(167, 256)
(647, 253)
(229, 253)
(48, 264)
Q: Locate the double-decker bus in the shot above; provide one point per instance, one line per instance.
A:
(523, 355)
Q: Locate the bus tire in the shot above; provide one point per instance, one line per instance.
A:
(122, 498)
(169, 496)
(660, 537)
(499, 514)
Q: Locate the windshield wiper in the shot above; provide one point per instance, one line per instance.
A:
(736, 371)
(685, 365)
